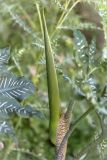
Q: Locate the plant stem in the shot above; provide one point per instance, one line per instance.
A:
(70, 109)
(31, 22)
(18, 66)
(71, 129)
(63, 13)
(62, 19)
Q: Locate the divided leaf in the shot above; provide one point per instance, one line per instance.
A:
(11, 106)
(33, 112)
(92, 52)
(6, 128)
(85, 52)
(2, 67)
(4, 70)
(13, 88)
(81, 47)
(16, 87)
(4, 55)
(80, 40)
(92, 47)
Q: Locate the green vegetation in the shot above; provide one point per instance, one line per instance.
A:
(56, 57)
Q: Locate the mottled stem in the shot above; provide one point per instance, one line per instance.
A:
(62, 129)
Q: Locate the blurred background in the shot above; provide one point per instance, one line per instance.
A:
(20, 30)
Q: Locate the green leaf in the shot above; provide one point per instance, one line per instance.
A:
(11, 106)
(12, 88)
(78, 94)
(93, 84)
(33, 112)
(3, 69)
(92, 47)
(19, 88)
(81, 47)
(80, 40)
(6, 128)
(53, 89)
(4, 55)
(92, 51)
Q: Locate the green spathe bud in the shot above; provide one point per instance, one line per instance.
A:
(52, 83)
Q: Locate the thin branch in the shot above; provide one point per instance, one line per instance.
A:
(90, 147)
(69, 109)
(66, 15)
(63, 13)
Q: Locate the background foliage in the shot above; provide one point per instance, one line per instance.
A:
(20, 29)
